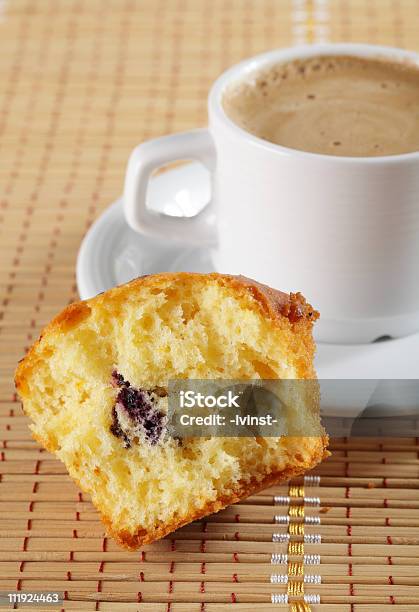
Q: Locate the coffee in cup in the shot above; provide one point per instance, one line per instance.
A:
(333, 105)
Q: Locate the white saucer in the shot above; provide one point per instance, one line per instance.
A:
(112, 253)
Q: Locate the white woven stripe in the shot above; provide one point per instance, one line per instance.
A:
(279, 579)
(312, 538)
(281, 500)
(311, 559)
(279, 558)
(282, 519)
(279, 598)
(281, 537)
(311, 481)
(312, 599)
(321, 18)
(299, 16)
(284, 500)
(312, 579)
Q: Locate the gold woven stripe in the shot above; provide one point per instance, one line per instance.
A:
(296, 548)
(296, 529)
(296, 511)
(300, 606)
(310, 22)
(295, 588)
(295, 568)
(296, 491)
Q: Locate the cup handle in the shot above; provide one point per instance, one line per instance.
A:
(195, 144)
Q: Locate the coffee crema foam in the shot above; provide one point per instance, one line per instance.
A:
(334, 105)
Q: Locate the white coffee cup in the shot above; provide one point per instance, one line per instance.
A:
(342, 230)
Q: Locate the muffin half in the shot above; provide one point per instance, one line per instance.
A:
(95, 387)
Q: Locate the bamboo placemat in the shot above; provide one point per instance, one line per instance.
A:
(83, 81)
(346, 536)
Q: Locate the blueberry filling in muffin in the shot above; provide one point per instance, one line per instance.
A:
(135, 415)
(118, 380)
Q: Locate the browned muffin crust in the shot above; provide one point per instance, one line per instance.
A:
(293, 306)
